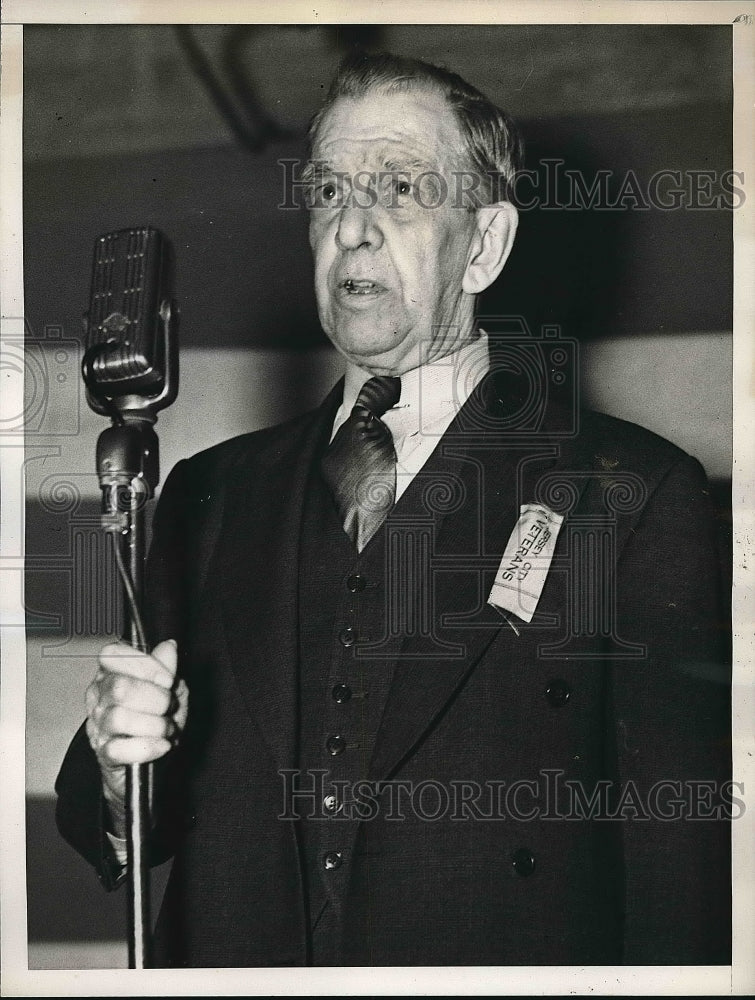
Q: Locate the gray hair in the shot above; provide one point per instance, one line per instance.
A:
(492, 141)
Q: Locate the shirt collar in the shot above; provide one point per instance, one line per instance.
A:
(431, 393)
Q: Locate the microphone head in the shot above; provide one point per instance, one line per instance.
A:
(129, 311)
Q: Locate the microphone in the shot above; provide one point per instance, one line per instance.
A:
(130, 367)
(130, 370)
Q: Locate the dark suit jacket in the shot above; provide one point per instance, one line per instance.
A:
(567, 699)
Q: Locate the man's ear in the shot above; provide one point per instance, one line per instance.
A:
(491, 246)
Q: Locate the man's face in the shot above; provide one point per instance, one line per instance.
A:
(390, 250)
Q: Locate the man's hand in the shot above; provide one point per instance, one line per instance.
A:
(135, 712)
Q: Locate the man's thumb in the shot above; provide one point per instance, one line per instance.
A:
(167, 653)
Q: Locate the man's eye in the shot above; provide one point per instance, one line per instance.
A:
(326, 194)
(402, 187)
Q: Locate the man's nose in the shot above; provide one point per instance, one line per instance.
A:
(358, 227)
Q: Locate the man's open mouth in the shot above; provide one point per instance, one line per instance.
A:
(360, 286)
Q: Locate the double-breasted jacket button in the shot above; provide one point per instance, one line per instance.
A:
(335, 745)
(558, 692)
(356, 583)
(331, 804)
(523, 861)
(332, 860)
(348, 636)
(341, 693)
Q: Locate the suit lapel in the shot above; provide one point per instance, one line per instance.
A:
(259, 556)
(495, 471)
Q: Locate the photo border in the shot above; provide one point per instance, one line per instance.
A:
(17, 979)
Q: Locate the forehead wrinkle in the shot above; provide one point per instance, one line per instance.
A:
(408, 162)
(379, 148)
(389, 157)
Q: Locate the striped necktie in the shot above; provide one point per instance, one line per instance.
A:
(360, 463)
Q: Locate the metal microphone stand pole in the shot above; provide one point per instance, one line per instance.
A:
(128, 469)
(128, 466)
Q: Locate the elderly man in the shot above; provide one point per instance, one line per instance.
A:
(437, 677)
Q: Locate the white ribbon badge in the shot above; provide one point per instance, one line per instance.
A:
(521, 576)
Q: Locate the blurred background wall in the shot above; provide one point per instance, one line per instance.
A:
(184, 129)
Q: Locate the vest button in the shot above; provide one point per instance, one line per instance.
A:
(341, 693)
(356, 583)
(332, 860)
(331, 804)
(348, 636)
(558, 692)
(523, 862)
(335, 745)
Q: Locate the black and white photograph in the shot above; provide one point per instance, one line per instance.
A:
(377, 497)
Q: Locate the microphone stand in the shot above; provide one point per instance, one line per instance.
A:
(129, 471)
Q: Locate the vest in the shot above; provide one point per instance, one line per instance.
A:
(343, 689)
